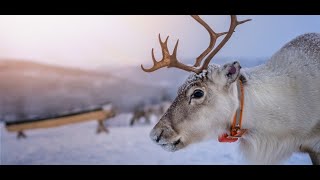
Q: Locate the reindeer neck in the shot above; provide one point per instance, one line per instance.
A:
(259, 98)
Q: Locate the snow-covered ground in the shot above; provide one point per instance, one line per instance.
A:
(79, 144)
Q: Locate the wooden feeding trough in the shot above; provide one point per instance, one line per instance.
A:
(98, 114)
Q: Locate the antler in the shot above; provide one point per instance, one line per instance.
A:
(213, 38)
(170, 60)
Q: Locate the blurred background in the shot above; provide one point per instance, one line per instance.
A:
(68, 66)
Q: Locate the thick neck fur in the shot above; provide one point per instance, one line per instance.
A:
(262, 117)
(264, 98)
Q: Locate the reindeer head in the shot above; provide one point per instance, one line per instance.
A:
(206, 101)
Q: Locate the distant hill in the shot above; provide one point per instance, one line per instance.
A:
(31, 90)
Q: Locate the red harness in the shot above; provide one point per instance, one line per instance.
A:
(235, 131)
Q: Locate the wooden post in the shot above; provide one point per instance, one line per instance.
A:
(101, 127)
(21, 135)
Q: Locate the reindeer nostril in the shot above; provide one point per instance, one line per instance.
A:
(177, 142)
(159, 137)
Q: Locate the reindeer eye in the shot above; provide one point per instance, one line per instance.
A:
(197, 94)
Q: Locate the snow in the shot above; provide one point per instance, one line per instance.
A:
(79, 144)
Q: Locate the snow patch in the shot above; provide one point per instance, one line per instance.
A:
(79, 144)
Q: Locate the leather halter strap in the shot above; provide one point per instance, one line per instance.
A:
(235, 131)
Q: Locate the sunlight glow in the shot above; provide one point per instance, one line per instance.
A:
(84, 40)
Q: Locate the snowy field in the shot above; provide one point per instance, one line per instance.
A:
(79, 144)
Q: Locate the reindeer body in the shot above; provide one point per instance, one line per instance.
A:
(282, 103)
(146, 112)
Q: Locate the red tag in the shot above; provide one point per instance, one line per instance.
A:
(227, 138)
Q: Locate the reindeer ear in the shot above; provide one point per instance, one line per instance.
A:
(231, 72)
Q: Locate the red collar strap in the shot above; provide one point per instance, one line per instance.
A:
(235, 131)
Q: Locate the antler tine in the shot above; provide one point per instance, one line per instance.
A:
(165, 53)
(167, 59)
(213, 38)
(234, 23)
(244, 21)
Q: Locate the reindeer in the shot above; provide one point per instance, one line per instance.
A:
(146, 111)
(271, 110)
(140, 111)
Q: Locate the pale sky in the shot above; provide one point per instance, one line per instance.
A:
(93, 41)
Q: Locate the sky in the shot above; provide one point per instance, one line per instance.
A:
(95, 41)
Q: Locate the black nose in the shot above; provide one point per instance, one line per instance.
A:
(159, 136)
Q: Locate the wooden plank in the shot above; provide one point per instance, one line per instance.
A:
(94, 115)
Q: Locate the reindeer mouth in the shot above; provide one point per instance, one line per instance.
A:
(174, 146)
(168, 139)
